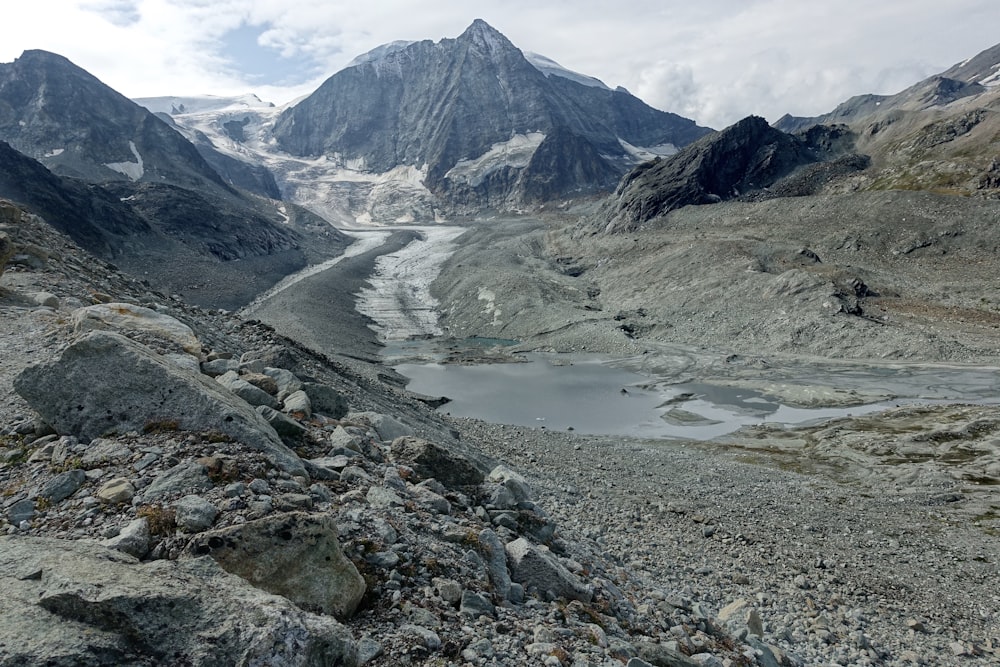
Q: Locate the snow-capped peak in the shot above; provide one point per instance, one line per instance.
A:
(379, 53)
(175, 105)
(550, 67)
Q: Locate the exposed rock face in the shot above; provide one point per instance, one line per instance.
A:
(139, 320)
(295, 555)
(467, 109)
(749, 155)
(123, 182)
(934, 91)
(433, 461)
(77, 603)
(89, 215)
(63, 116)
(538, 570)
(105, 382)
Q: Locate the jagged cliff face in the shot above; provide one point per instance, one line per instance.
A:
(58, 114)
(469, 114)
(745, 157)
(129, 187)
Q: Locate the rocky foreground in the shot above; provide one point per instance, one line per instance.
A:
(183, 487)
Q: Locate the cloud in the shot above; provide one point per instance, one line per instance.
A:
(712, 61)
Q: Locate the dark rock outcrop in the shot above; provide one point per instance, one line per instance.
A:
(749, 155)
(296, 555)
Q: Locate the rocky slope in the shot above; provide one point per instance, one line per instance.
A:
(129, 187)
(940, 134)
(181, 487)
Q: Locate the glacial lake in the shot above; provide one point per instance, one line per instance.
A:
(587, 395)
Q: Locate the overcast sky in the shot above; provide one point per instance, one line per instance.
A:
(715, 61)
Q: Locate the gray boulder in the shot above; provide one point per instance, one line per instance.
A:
(431, 460)
(495, 557)
(388, 429)
(139, 320)
(217, 367)
(326, 400)
(536, 568)
(78, 603)
(298, 403)
(105, 382)
(253, 395)
(63, 485)
(287, 381)
(194, 514)
(283, 425)
(296, 555)
(133, 538)
(183, 477)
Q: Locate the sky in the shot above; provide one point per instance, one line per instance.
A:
(714, 61)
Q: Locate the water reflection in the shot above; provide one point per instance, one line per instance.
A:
(562, 392)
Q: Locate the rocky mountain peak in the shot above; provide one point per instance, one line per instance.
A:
(747, 156)
(485, 37)
(467, 114)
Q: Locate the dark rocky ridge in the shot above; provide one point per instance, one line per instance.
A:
(747, 156)
(436, 104)
(171, 217)
(87, 213)
(66, 118)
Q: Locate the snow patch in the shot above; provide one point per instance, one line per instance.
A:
(133, 170)
(179, 105)
(992, 79)
(379, 53)
(516, 152)
(550, 67)
(646, 153)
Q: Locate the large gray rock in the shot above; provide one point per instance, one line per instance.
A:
(388, 429)
(63, 485)
(536, 568)
(105, 382)
(194, 514)
(296, 555)
(431, 460)
(283, 425)
(326, 400)
(253, 395)
(76, 603)
(137, 319)
(133, 538)
(183, 477)
(287, 381)
(495, 557)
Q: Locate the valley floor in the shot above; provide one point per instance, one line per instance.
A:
(870, 540)
(866, 533)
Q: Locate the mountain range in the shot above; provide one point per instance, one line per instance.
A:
(425, 131)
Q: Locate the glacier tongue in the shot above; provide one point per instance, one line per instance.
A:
(399, 299)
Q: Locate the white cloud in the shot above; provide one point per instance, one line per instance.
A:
(714, 61)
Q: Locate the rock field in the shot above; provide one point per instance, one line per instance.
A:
(200, 490)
